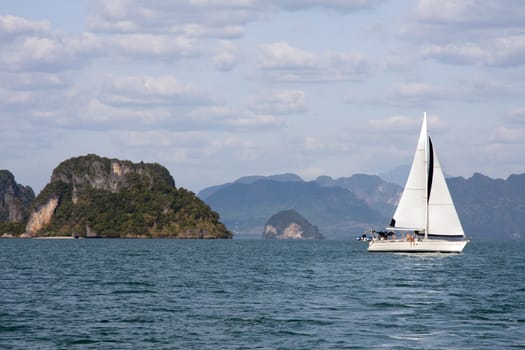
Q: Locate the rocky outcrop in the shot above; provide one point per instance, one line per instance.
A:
(289, 224)
(92, 196)
(41, 217)
(15, 199)
(112, 175)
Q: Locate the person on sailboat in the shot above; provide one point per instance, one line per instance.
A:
(409, 239)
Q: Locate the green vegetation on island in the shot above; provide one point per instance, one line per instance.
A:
(93, 196)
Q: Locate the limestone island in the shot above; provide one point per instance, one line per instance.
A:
(92, 196)
(15, 203)
(289, 224)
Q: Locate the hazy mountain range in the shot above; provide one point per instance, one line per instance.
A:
(345, 207)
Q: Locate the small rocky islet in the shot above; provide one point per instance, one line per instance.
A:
(289, 224)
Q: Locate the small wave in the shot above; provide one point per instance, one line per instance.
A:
(131, 291)
(385, 304)
(13, 328)
(127, 283)
(84, 341)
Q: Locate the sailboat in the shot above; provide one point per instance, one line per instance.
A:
(425, 215)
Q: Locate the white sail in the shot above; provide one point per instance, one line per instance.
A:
(411, 210)
(443, 219)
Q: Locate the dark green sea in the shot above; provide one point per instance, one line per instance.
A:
(256, 294)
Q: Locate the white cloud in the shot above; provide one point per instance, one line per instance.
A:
(484, 32)
(162, 138)
(151, 91)
(186, 17)
(333, 146)
(343, 5)
(415, 90)
(426, 94)
(312, 143)
(202, 18)
(504, 51)
(95, 114)
(516, 115)
(248, 120)
(15, 99)
(34, 47)
(33, 81)
(12, 27)
(405, 124)
(225, 117)
(454, 53)
(508, 135)
(312, 172)
(395, 123)
(190, 147)
(411, 93)
(335, 5)
(52, 53)
(108, 103)
(148, 45)
(444, 11)
(226, 57)
(282, 56)
(456, 21)
(199, 30)
(280, 102)
(480, 13)
(282, 62)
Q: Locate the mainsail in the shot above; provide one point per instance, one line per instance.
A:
(426, 204)
(411, 210)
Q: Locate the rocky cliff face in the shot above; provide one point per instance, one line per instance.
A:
(112, 175)
(92, 196)
(289, 224)
(15, 199)
(41, 217)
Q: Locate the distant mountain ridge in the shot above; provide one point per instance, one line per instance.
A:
(203, 194)
(376, 192)
(245, 207)
(397, 176)
(488, 208)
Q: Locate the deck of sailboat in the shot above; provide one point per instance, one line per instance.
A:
(418, 246)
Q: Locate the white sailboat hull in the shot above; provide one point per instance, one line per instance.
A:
(422, 246)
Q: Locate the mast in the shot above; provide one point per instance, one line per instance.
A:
(427, 172)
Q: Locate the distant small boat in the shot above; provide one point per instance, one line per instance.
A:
(364, 237)
(425, 215)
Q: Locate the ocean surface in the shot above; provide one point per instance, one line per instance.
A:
(256, 294)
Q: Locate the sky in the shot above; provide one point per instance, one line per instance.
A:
(219, 89)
